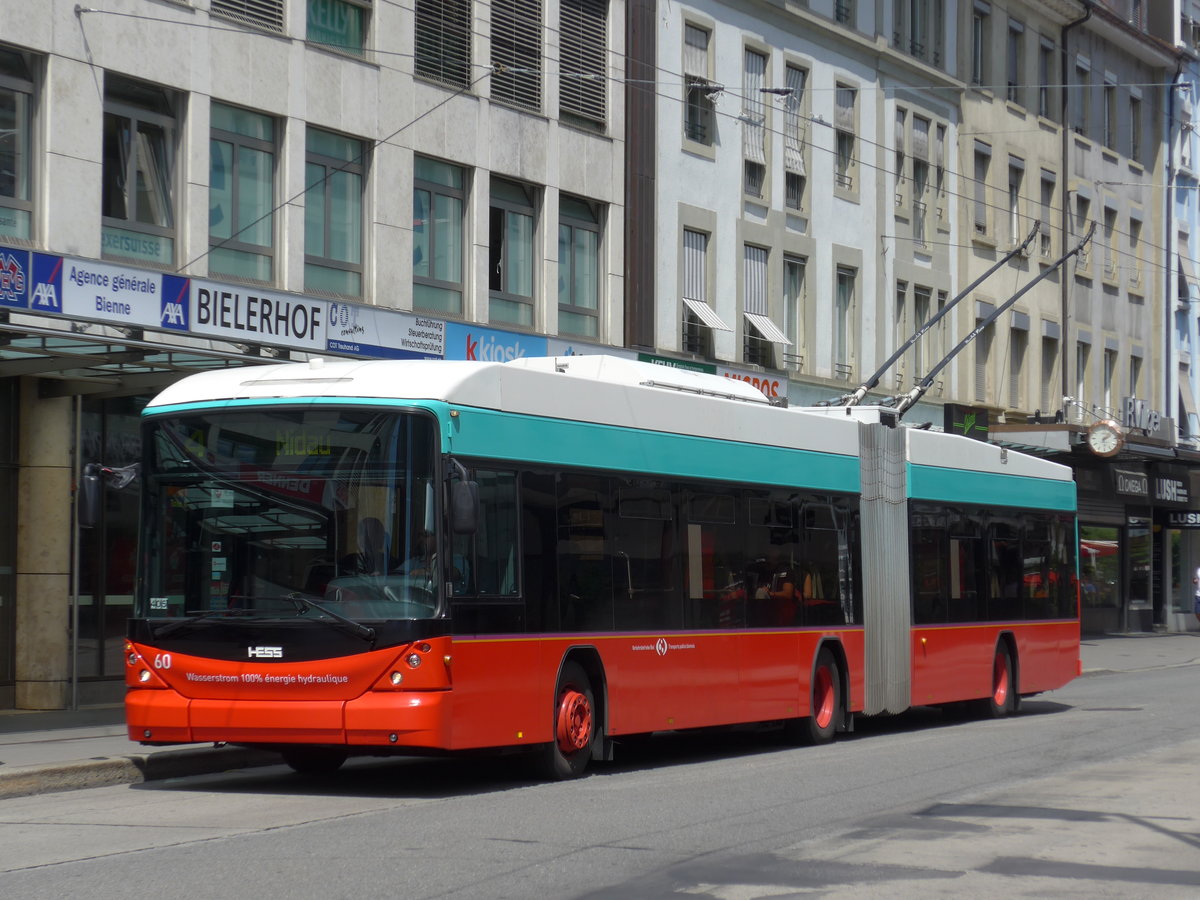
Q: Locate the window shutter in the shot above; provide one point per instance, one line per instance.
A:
(794, 125)
(753, 119)
(695, 246)
(266, 14)
(443, 40)
(583, 30)
(756, 280)
(920, 144)
(517, 51)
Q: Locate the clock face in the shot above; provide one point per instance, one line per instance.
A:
(1104, 438)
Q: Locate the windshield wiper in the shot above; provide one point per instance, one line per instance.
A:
(198, 617)
(303, 602)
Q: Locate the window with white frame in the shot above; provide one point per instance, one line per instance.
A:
(920, 179)
(511, 253)
(1110, 112)
(1110, 373)
(1083, 351)
(795, 130)
(578, 267)
(517, 31)
(1081, 99)
(1018, 339)
(699, 318)
(1016, 175)
(1046, 78)
(921, 303)
(917, 29)
(439, 201)
(334, 175)
(795, 287)
(16, 145)
(1135, 254)
(138, 196)
(1135, 375)
(241, 194)
(1049, 373)
(983, 162)
(340, 24)
(754, 122)
(900, 139)
(845, 126)
(267, 14)
(1015, 63)
(1135, 124)
(1045, 232)
(983, 353)
(583, 53)
(698, 109)
(981, 16)
(442, 40)
(1110, 243)
(843, 320)
(757, 349)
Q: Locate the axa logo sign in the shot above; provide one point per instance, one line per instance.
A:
(14, 279)
(174, 311)
(47, 294)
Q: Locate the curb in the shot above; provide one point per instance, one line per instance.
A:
(108, 771)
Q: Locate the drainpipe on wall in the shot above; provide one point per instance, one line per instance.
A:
(1171, 382)
(1066, 280)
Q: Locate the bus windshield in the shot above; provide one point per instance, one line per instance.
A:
(320, 513)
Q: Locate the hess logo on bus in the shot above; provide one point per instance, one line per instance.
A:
(265, 652)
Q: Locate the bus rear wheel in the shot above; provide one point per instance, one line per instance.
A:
(314, 760)
(825, 705)
(1003, 699)
(570, 751)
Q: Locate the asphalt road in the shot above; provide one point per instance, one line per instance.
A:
(1094, 791)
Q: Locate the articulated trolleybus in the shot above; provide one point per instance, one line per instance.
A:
(553, 554)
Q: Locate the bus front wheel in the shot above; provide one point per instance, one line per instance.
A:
(569, 752)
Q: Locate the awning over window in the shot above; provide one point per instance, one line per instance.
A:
(767, 328)
(705, 314)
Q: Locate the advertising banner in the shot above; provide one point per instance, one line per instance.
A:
(357, 330)
(254, 315)
(108, 294)
(465, 341)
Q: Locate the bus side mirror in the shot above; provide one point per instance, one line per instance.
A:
(90, 496)
(464, 507)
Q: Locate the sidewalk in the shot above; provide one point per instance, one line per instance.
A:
(65, 750)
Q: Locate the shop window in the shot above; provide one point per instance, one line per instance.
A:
(138, 181)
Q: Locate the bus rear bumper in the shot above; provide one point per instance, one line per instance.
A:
(375, 719)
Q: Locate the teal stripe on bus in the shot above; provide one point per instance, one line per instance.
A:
(963, 486)
(491, 434)
(488, 433)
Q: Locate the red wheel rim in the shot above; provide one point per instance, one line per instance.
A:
(823, 697)
(1000, 680)
(574, 725)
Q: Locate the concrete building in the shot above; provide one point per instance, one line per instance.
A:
(198, 183)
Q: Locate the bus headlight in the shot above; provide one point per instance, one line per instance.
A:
(397, 678)
(413, 660)
(144, 676)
